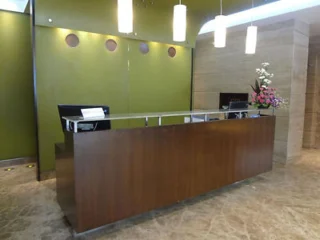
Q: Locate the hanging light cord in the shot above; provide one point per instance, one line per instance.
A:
(220, 7)
(252, 13)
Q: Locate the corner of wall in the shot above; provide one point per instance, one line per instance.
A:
(298, 88)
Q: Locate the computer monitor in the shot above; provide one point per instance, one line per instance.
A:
(89, 126)
(237, 105)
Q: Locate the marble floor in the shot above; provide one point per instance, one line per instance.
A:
(282, 204)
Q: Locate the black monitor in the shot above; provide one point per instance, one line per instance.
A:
(89, 126)
(237, 105)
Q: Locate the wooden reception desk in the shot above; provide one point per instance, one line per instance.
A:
(106, 176)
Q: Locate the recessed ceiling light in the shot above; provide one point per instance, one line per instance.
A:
(50, 20)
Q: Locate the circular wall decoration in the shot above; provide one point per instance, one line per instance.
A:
(144, 48)
(111, 45)
(72, 40)
(172, 52)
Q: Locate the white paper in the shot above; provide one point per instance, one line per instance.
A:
(92, 113)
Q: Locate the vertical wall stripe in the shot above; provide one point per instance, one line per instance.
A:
(192, 68)
(33, 41)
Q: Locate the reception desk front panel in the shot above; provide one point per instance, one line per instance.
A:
(106, 176)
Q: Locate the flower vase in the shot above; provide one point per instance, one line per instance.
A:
(263, 107)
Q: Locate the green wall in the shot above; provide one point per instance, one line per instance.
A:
(17, 128)
(90, 74)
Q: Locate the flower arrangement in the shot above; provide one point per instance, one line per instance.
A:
(263, 95)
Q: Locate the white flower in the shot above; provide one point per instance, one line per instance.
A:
(263, 75)
(267, 81)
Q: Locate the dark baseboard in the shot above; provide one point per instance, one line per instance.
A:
(47, 175)
(17, 161)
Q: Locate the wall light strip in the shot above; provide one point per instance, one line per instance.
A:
(6, 5)
(13, 5)
(262, 12)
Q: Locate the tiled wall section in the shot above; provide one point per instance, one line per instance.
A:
(298, 89)
(285, 46)
(311, 138)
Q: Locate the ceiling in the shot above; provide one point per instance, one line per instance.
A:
(204, 7)
(308, 15)
(13, 5)
(201, 5)
(306, 11)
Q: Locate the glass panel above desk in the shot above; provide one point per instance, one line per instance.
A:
(193, 116)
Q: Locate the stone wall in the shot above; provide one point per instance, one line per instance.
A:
(311, 138)
(285, 46)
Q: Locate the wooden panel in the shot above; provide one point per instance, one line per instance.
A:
(122, 173)
(65, 180)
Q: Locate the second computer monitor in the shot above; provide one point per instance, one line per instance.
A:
(237, 105)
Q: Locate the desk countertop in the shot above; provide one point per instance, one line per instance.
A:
(124, 116)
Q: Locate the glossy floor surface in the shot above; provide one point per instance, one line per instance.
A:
(282, 204)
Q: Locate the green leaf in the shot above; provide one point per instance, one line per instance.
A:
(257, 87)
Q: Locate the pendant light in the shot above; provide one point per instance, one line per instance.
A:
(251, 42)
(220, 33)
(179, 22)
(125, 16)
(252, 35)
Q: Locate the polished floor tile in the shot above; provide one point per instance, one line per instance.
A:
(282, 204)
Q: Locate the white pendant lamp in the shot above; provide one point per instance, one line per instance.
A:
(125, 16)
(179, 22)
(252, 35)
(251, 42)
(220, 33)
